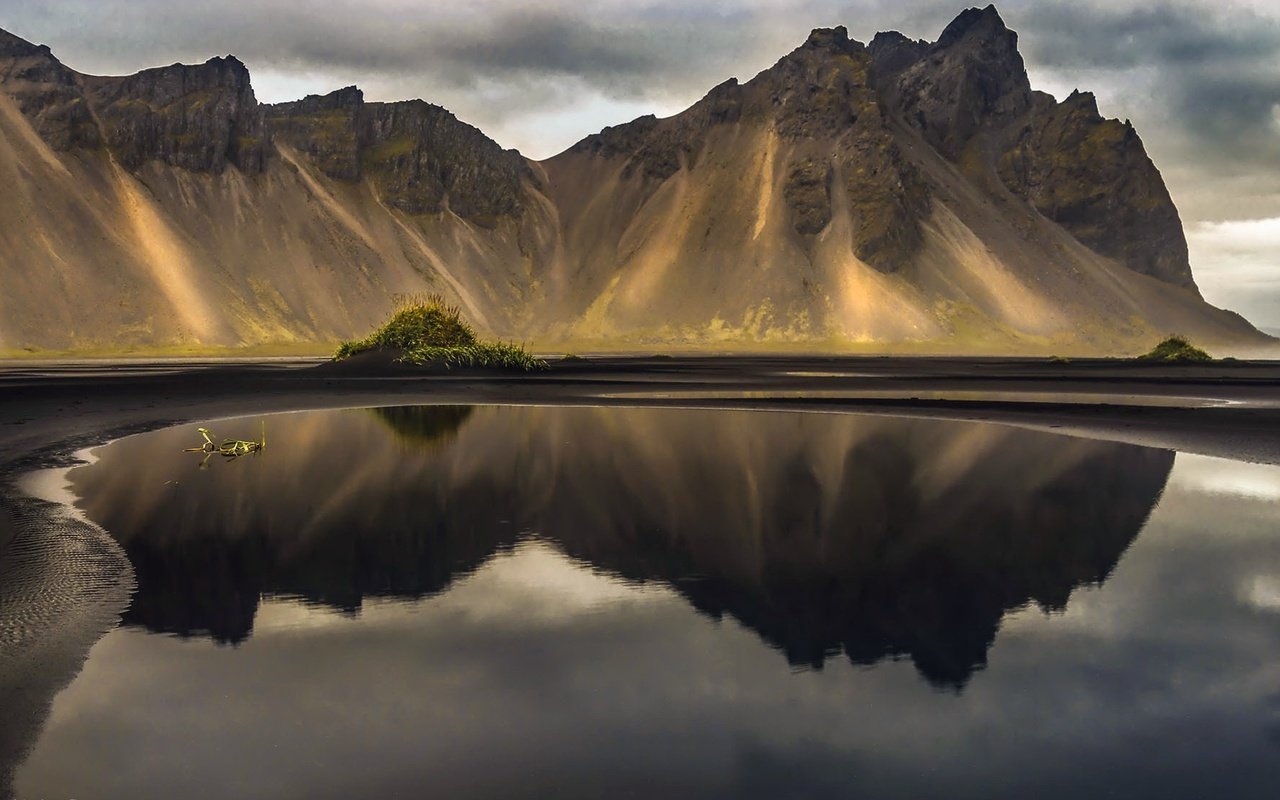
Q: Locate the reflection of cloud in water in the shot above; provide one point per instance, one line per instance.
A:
(1264, 592)
(1223, 477)
(533, 582)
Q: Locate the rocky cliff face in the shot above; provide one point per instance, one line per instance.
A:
(48, 93)
(421, 158)
(825, 94)
(200, 118)
(898, 194)
(1093, 177)
(972, 79)
(820, 103)
(969, 96)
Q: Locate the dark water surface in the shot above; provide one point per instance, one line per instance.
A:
(581, 602)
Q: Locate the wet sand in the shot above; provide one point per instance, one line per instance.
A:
(1229, 409)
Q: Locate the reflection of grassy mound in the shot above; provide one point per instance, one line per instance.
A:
(423, 424)
(1177, 349)
(427, 332)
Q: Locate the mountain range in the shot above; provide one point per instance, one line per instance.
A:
(899, 194)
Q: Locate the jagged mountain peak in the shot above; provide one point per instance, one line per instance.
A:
(421, 157)
(227, 71)
(982, 23)
(834, 39)
(348, 97)
(892, 52)
(973, 77)
(1086, 101)
(891, 192)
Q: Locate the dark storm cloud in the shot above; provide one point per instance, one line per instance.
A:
(524, 41)
(1213, 76)
(551, 42)
(1159, 33)
(619, 48)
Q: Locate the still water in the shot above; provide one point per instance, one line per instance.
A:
(580, 602)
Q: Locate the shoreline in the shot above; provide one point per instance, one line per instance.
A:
(48, 411)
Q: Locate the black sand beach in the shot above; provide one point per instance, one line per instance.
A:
(1228, 409)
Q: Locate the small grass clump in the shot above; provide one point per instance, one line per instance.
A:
(426, 331)
(1178, 350)
(487, 355)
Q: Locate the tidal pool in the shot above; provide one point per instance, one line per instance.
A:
(603, 602)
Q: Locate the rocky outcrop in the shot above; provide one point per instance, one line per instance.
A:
(48, 93)
(421, 158)
(820, 100)
(658, 149)
(891, 53)
(1093, 177)
(808, 194)
(200, 118)
(826, 94)
(324, 127)
(196, 117)
(969, 96)
(972, 78)
(424, 159)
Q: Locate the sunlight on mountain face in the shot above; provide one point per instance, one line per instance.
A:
(834, 200)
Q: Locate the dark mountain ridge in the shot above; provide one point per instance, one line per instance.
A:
(902, 193)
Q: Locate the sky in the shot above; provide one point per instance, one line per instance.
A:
(1200, 79)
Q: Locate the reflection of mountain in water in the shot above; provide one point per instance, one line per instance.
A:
(823, 533)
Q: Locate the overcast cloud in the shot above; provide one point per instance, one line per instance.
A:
(1199, 78)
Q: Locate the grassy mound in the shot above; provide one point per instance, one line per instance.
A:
(426, 331)
(1176, 349)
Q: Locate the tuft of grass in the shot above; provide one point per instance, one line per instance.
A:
(427, 331)
(485, 355)
(1176, 349)
(418, 321)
